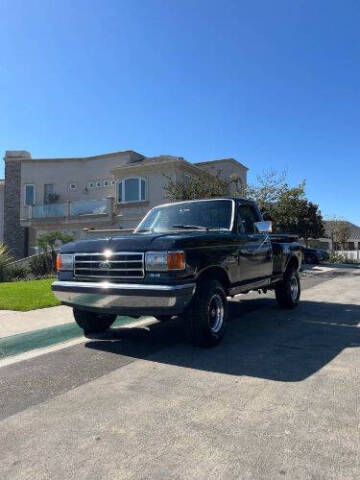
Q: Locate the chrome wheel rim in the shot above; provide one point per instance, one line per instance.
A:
(216, 313)
(294, 287)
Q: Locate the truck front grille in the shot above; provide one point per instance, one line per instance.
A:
(120, 265)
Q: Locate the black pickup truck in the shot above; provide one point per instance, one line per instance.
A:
(183, 259)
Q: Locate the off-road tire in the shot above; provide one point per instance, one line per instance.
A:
(92, 322)
(288, 291)
(206, 317)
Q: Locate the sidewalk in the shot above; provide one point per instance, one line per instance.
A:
(14, 323)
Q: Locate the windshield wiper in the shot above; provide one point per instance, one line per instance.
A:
(190, 227)
(143, 230)
(217, 229)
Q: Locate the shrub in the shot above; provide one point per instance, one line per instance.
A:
(47, 243)
(335, 257)
(5, 259)
(42, 265)
(16, 272)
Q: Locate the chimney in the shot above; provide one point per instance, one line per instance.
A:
(14, 233)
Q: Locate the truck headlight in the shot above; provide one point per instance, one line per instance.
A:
(64, 261)
(164, 261)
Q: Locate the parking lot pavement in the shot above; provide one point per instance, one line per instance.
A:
(278, 399)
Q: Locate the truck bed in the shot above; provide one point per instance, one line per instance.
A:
(283, 237)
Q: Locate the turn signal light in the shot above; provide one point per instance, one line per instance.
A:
(176, 260)
(58, 262)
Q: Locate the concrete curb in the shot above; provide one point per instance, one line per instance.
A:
(13, 323)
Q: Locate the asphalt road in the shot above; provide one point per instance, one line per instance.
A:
(278, 399)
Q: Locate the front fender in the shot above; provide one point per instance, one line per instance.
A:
(214, 271)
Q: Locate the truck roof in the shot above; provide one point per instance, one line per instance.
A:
(243, 199)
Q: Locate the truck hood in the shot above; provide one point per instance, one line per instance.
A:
(140, 242)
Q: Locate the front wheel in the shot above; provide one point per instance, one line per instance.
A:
(288, 291)
(92, 322)
(206, 318)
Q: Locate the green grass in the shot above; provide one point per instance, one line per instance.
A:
(27, 295)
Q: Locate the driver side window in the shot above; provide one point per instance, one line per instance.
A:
(247, 217)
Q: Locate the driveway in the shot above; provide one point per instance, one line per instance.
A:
(278, 399)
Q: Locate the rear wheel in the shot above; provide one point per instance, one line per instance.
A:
(289, 290)
(92, 322)
(206, 318)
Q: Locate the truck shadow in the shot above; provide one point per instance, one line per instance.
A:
(261, 341)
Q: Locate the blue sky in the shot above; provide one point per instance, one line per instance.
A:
(274, 84)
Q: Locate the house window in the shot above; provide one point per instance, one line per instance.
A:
(49, 192)
(99, 183)
(72, 186)
(107, 183)
(29, 196)
(91, 185)
(132, 190)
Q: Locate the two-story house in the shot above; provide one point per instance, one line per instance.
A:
(106, 192)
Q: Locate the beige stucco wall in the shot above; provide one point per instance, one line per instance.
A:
(77, 229)
(156, 179)
(227, 168)
(63, 172)
(1, 212)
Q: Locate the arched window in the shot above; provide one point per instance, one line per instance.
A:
(132, 190)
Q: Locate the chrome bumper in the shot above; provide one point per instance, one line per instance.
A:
(125, 298)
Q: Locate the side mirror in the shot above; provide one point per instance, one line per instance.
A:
(264, 227)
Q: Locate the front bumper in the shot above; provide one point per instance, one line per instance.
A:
(125, 298)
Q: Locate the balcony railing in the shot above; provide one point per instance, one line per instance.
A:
(72, 209)
(50, 210)
(88, 207)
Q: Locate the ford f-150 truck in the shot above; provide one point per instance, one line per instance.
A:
(184, 259)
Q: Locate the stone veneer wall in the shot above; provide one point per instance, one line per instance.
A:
(14, 234)
(2, 210)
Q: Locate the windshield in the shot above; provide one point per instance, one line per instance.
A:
(203, 215)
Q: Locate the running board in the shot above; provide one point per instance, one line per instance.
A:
(250, 286)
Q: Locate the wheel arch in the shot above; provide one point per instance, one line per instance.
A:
(216, 273)
(293, 262)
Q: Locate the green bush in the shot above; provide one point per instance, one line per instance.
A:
(42, 265)
(16, 272)
(335, 257)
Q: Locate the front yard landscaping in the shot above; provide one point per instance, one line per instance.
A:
(27, 295)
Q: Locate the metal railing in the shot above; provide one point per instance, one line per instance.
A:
(71, 209)
(352, 255)
(49, 210)
(88, 207)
